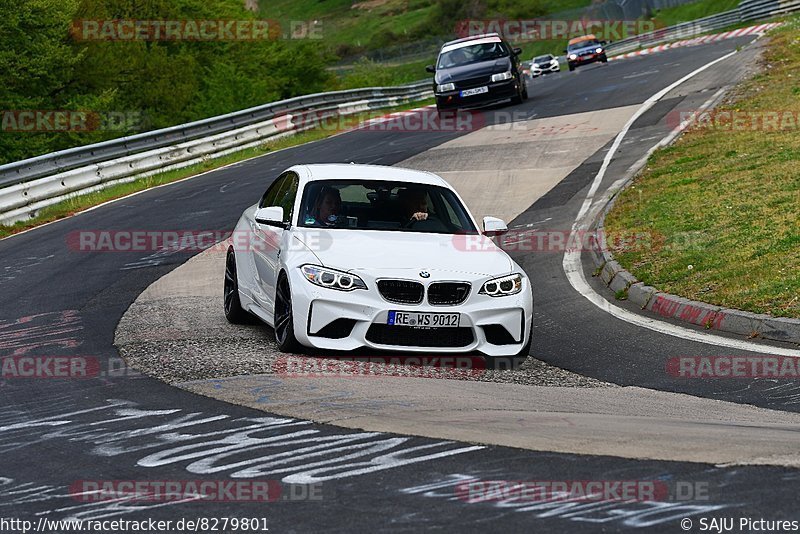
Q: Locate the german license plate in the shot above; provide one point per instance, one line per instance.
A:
(475, 91)
(424, 319)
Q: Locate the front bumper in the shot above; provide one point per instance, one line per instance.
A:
(363, 313)
(498, 92)
(546, 70)
(589, 58)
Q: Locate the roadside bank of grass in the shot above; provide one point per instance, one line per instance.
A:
(80, 203)
(692, 11)
(725, 198)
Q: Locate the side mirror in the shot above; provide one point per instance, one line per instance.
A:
(492, 226)
(431, 69)
(517, 51)
(565, 50)
(603, 43)
(271, 216)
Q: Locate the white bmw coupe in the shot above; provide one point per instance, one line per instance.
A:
(347, 256)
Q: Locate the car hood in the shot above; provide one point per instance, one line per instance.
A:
(355, 250)
(473, 70)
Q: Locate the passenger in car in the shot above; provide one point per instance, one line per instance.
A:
(415, 204)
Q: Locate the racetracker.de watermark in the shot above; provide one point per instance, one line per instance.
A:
(191, 241)
(444, 367)
(532, 491)
(193, 490)
(562, 490)
(527, 30)
(759, 366)
(559, 241)
(64, 367)
(430, 120)
(735, 120)
(39, 120)
(194, 30)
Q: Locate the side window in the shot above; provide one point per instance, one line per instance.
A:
(273, 192)
(287, 195)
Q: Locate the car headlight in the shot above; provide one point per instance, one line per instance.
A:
(573, 56)
(331, 278)
(502, 76)
(501, 287)
(445, 87)
(535, 65)
(599, 50)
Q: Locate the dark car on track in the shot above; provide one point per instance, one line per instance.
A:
(477, 71)
(584, 50)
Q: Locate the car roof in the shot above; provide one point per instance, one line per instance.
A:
(469, 41)
(345, 171)
(576, 40)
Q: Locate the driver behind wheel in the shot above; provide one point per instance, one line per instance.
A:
(326, 207)
(415, 204)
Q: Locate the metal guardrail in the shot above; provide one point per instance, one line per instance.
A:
(27, 186)
(684, 30)
(748, 10)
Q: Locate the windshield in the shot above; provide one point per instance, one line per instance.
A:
(472, 54)
(384, 205)
(583, 44)
(542, 59)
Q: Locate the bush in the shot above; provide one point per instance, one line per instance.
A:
(167, 83)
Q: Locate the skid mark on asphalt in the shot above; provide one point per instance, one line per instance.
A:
(53, 330)
(15, 493)
(10, 272)
(217, 444)
(631, 514)
(787, 393)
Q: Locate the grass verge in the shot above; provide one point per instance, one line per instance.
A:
(724, 200)
(692, 11)
(80, 203)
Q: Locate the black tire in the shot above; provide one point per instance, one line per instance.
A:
(509, 363)
(234, 312)
(571, 68)
(517, 99)
(524, 92)
(604, 59)
(284, 317)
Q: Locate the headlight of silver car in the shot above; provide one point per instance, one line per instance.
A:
(501, 287)
(502, 76)
(332, 278)
(598, 50)
(573, 56)
(445, 87)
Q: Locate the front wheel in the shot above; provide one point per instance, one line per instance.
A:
(517, 98)
(284, 318)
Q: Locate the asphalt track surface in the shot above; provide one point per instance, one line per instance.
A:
(56, 301)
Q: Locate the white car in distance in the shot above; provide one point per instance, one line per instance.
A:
(339, 257)
(544, 65)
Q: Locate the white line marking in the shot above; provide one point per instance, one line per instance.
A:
(572, 258)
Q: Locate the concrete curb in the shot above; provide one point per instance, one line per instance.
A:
(751, 325)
